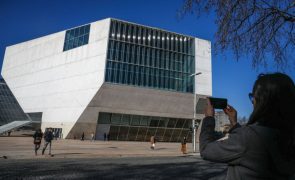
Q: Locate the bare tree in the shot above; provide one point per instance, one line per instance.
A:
(262, 29)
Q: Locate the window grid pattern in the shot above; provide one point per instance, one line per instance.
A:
(76, 37)
(10, 110)
(148, 57)
(125, 127)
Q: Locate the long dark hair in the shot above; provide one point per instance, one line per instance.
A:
(275, 108)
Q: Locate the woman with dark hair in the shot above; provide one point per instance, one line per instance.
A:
(37, 139)
(265, 147)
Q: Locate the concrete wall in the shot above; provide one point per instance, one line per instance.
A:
(60, 84)
(203, 82)
(125, 99)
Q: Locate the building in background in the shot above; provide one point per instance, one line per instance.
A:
(111, 77)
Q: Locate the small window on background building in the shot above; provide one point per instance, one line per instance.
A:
(76, 37)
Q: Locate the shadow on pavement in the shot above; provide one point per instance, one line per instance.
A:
(119, 168)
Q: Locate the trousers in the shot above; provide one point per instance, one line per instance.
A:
(45, 146)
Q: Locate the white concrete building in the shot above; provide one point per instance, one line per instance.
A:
(111, 77)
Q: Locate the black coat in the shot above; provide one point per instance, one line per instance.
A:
(48, 136)
(251, 152)
(38, 135)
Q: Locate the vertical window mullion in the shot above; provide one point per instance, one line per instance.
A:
(114, 29)
(166, 79)
(154, 38)
(146, 71)
(149, 37)
(163, 40)
(124, 32)
(180, 44)
(156, 59)
(185, 45)
(163, 59)
(131, 33)
(168, 42)
(120, 74)
(144, 37)
(128, 33)
(133, 54)
(117, 30)
(143, 56)
(139, 35)
(134, 34)
(172, 42)
(176, 43)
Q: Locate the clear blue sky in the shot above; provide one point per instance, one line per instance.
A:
(23, 20)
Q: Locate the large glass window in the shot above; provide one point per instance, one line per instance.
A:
(127, 127)
(104, 118)
(76, 37)
(151, 58)
(10, 110)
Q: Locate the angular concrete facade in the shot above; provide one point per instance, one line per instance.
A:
(69, 87)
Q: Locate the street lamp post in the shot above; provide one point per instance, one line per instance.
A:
(194, 118)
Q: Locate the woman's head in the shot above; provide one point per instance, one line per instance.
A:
(274, 99)
(274, 104)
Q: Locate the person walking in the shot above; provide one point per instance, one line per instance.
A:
(105, 136)
(153, 142)
(37, 140)
(92, 136)
(265, 147)
(82, 137)
(48, 136)
(183, 145)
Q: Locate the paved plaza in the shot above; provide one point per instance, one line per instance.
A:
(75, 159)
(22, 148)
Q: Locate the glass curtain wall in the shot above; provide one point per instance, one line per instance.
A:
(148, 57)
(10, 110)
(125, 127)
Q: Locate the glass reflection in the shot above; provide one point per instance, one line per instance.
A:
(126, 127)
(164, 61)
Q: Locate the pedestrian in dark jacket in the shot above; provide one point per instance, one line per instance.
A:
(37, 139)
(48, 136)
(265, 147)
(82, 137)
(183, 146)
(105, 136)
